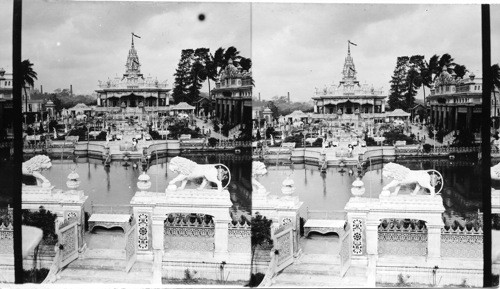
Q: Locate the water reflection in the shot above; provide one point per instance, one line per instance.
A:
(117, 184)
(330, 191)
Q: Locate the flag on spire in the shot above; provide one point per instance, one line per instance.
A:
(352, 43)
(133, 35)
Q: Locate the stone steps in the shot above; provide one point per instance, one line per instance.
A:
(105, 271)
(70, 275)
(319, 270)
(318, 281)
(108, 264)
(107, 254)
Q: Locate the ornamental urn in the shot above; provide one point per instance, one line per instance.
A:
(288, 186)
(358, 188)
(73, 182)
(144, 184)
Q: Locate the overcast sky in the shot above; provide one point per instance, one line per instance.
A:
(298, 47)
(294, 47)
(6, 35)
(80, 43)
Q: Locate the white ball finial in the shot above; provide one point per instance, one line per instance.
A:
(73, 182)
(144, 184)
(358, 188)
(288, 186)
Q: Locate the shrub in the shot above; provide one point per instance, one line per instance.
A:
(370, 141)
(212, 142)
(155, 135)
(35, 275)
(101, 136)
(318, 142)
(297, 139)
(495, 219)
(255, 280)
(188, 278)
(427, 147)
(44, 220)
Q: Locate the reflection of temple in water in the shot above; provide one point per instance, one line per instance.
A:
(133, 93)
(349, 96)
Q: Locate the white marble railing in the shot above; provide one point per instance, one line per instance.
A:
(462, 243)
(270, 272)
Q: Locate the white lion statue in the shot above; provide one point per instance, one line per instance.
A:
(401, 175)
(34, 166)
(258, 169)
(189, 170)
(495, 172)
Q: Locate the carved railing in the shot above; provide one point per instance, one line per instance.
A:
(462, 243)
(239, 237)
(402, 238)
(325, 215)
(6, 239)
(270, 272)
(343, 154)
(181, 232)
(436, 150)
(110, 209)
(6, 143)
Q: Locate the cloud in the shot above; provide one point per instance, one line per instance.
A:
(298, 47)
(80, 43)
(6, 36)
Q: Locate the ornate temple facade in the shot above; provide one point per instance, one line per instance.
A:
(455, 103)
(349, 96)
(233, 95)
(133, 93)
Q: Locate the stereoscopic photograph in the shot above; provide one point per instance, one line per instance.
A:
(245, 144)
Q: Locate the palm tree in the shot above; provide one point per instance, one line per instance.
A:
(28, 78)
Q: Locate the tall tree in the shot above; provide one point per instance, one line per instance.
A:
(198, 73)
(414, 78)
(397, 97)
(28, 78)
(182, 76)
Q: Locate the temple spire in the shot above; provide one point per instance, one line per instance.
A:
(349, 71)
(133, 65)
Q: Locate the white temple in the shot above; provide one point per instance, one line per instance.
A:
(349, 96)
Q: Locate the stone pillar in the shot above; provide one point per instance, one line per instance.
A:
(221, 238)
(242, 108)
(357, 223)
(434, 241)
(468, 118)
(383, 106)
(445, 119)
(455, 126)
(433, 115)
(144, 227)
(158, 232)
(372, 236)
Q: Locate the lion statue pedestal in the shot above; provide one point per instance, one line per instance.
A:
(400, 175)
(189, 170)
